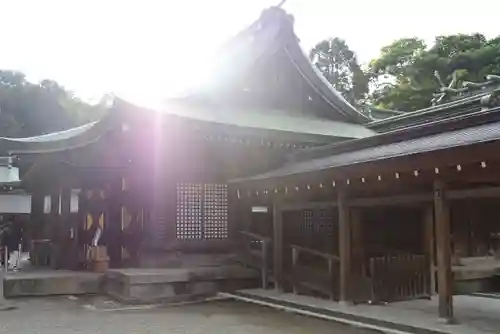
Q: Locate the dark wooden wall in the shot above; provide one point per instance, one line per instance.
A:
(473, 224)
(392, 229)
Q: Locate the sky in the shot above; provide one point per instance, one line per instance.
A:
(145, 50)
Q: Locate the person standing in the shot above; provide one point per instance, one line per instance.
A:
(14, 242)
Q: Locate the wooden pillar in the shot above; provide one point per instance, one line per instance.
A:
(55, 233)
(35, 230)
(116, 199)
(357, 245)
(278, 247)
(429, 240)
(443, 250)
(69, 257)
(344, 245)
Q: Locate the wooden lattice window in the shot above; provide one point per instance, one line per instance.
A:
(189, 211)
(215, 211)
(201, 211)
(317, 221)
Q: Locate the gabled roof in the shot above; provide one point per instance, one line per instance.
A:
(270, 42)
(480, 127)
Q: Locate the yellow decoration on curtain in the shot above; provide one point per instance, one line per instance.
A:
(101, 221)
(88, 221)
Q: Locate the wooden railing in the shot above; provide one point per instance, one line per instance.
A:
(399, 277)
(257, 249)
(315, 270)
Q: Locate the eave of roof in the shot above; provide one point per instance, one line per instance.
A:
(275, 120)
(57, 141)
(462, 131)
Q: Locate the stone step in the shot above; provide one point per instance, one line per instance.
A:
(149, 286)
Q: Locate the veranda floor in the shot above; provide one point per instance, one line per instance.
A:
(475, 315)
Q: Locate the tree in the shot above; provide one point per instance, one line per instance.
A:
(404, 76)
(29, 109)
(340, 67)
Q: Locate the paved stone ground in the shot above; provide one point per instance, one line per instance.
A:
(64, 315)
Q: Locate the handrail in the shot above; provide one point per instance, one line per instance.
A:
(265, 243)
(255, 236)
(330, 259)
(327, 256)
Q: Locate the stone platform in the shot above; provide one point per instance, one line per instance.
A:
(477, 274)
(133, 286)
(139, 286)
(51, 282)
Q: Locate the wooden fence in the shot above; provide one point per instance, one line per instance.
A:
(399, 277)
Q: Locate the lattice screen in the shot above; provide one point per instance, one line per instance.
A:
(189, 211)
(317, 221)
(201, 211)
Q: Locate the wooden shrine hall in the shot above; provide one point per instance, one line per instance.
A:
(154, 183)
(267, 165)
(385, 218)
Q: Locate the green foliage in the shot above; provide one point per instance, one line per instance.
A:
(29, 109)
(340, 67)
(396, 59)
(403, 75)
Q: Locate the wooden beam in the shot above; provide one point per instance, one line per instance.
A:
(391, 200)
(483, 192)
(429, 241)
(278, 247)
(344, 245)
(410, 199)
(308, 205)
(443, 249)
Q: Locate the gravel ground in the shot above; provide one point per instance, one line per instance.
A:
(97, 315)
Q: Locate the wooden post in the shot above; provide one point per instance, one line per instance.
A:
(443, 248)
(118, 198)
(429, 240)
(357, 245)
(295, 259)
(278, 247)
(344, 245)
(55, 254)
(69, 260)
(264, 274)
